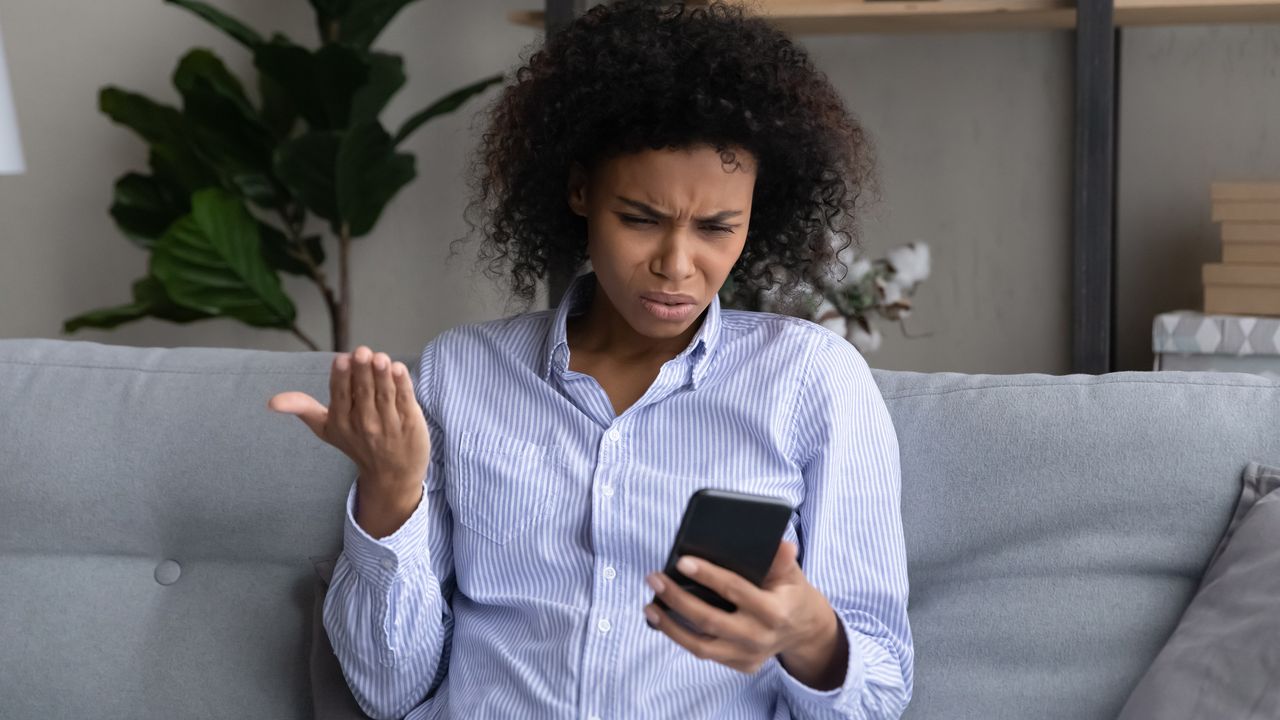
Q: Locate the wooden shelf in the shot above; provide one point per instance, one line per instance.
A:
(812, 17)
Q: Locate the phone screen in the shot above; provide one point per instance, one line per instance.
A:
(737, 531)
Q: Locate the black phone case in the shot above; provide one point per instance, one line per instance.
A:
(738, 531)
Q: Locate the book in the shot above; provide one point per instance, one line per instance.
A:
(1241, 300)
(1249, 275)
(1260, 211)
(1244, 191)
(1251, 232)
(1246, 253)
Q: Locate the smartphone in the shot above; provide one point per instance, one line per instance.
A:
(738, 531)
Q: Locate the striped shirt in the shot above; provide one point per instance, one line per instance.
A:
(516, 588)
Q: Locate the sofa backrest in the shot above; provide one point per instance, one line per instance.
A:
(1057, 526)
(158, 528)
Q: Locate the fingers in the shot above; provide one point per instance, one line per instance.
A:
(307, 408)
(703, 648)
(784, 567)
(710, 620)
(364, 411)
(406, 401)
(340, 388)
(384, 392)
(726, 583)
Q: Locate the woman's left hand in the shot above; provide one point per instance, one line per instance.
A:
(786, 616)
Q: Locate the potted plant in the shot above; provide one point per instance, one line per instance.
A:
(234, 180)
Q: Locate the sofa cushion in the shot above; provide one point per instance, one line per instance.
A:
(1223, 658)
(1057, 526)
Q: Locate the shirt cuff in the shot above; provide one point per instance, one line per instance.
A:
(848, 694)
(386, 560)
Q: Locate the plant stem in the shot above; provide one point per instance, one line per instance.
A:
(303, 337)
(298, 249)
(344, 289)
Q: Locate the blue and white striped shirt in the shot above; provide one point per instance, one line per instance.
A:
(516, 588)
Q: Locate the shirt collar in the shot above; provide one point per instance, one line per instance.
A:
(577, 298)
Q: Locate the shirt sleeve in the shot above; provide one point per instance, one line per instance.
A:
(850, 531)
(387, 611)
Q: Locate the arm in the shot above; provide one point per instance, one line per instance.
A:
(851, 537)
(387, 611)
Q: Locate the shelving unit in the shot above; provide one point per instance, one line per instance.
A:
(876, 16)
(1096, 26)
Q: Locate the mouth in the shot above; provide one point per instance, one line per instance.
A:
(668, 306)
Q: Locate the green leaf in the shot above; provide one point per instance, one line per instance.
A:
(246, 35)
(384, 80)
(278, 109)
(276, 248)
(323, 85)
(226, 131)
(369, 174)
(446, 104)
(307, 165)
(149, 300)
(165, 129)
(202, 72)
(356, 23)
(345, 177)
(144, 207)
(212, 261)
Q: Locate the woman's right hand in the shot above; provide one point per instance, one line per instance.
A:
(373, 418)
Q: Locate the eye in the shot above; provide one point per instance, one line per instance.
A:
(719, 229)
(633, 220)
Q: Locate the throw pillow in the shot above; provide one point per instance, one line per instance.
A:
(1223, 658)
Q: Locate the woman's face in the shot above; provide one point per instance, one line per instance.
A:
(664, 228)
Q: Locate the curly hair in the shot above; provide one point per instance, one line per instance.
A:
(632, 75)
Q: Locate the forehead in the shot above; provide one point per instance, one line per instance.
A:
(676, 177)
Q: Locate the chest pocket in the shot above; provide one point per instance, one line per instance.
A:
(505, 485)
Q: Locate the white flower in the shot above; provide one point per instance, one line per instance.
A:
(892, 290)
(859, 270)
(910, 263)
(864, 336)
(830, 318)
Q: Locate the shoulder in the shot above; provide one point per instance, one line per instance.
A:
(508, 332)
(473, 351)
(806, 344)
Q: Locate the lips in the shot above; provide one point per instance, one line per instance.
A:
(668, 298)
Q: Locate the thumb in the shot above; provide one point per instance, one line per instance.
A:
(308, 409)
(784, 567)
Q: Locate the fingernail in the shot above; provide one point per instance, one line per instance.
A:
(380, 364)
(655, 583)
(687, 566)
(342, 362)
(651, 616)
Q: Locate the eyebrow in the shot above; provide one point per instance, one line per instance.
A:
(718, 217)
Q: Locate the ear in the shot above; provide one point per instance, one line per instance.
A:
(578, 189)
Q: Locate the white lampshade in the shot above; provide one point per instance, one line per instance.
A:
(10, 149)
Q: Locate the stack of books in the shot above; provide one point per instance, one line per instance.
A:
(1247, 281)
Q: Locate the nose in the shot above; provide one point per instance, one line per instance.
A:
(673, 259)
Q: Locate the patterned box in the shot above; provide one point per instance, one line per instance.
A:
(1190, 340)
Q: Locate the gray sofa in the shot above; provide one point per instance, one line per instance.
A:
(159, 529)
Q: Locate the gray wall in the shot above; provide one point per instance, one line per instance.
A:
(973, 133)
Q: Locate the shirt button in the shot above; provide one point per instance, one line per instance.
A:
(607, 490)
(610, 573)
(604, 625)
(614, 435)
(389, 564)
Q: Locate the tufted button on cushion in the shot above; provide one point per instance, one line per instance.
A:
(167, 572)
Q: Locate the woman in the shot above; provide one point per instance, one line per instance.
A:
(512, 510)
